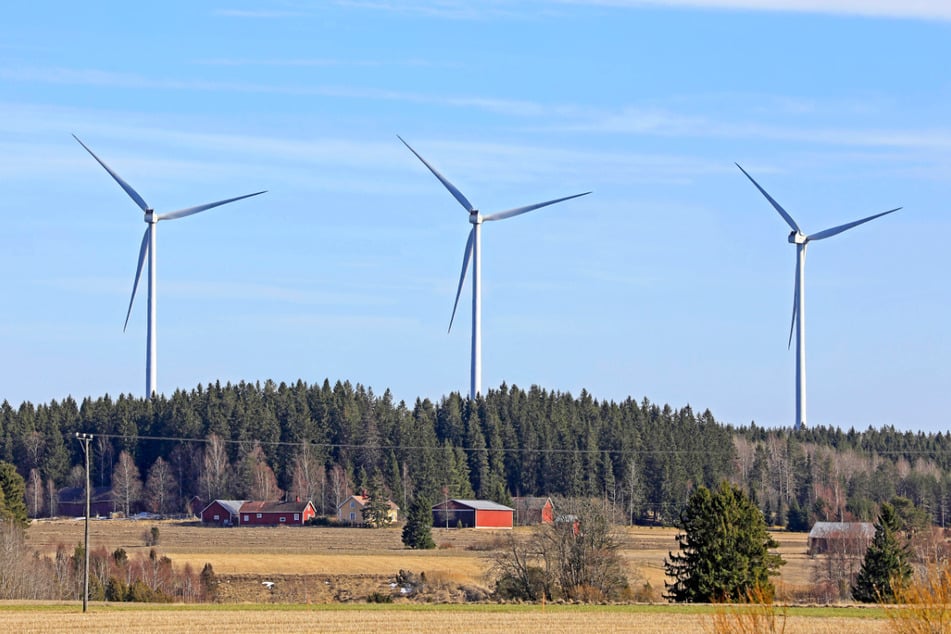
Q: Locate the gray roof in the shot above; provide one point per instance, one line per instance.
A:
(824, 530)
(484, 505)
(232, 506)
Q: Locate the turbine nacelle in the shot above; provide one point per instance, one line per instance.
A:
(798, 237)
(475, 217)
(151, 217)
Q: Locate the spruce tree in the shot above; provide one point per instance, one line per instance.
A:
(12, 495)
(376, 512)
(724, 549)
(886, 561)
(417, 532)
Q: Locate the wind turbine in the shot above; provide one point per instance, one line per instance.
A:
(148, 248)
(797, 237)
(473, 252)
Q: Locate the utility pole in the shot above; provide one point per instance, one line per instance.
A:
(84, 439)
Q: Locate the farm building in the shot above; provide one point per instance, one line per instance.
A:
(350, 511)
(533, 510)
(276, 513)
(843, 538)
(222, 512)
(71, 501)
(472, 514)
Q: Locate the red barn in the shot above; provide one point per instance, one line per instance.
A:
(533, 510)
(276, 513)
(222, 512)
(472, 514)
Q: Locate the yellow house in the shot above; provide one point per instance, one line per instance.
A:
(350, 510)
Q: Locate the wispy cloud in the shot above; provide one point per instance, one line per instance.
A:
(461, 9)
(269, 14)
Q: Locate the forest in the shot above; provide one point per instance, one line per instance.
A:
(322, 442)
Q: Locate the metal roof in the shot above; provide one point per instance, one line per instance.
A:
(483, 505)
(842, 529)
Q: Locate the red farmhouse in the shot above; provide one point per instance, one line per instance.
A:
(222, 512)
(472, 514)
(276, 513)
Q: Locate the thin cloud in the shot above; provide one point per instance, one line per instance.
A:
(258, 14)
(910, 9)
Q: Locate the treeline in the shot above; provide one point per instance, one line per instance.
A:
(323, 441)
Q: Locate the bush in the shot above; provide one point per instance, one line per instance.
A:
(927, 602)
(379, 597)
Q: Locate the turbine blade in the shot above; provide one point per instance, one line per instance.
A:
(795, 306)
(143, 250)
(134, 195)
(782, 212)
(442, 179)
(462, 276)
(181, 213)
(501, 215)
(828, 233)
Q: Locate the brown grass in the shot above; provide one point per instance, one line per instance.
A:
(335, 551)
(925, 603)
(551, 620)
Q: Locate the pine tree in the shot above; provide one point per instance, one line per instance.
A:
(417, 532)
(376, 512)
(886, 561)
(724, 549)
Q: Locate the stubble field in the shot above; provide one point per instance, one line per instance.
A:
(323, 575)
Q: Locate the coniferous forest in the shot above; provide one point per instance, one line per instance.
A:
(324, 441)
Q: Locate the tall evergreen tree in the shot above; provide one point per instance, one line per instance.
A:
(724, 549)
(886, 561)
(12, 490)
(417, 532)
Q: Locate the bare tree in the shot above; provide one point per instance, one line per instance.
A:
(33, 444)
(339, 487)
(632, 489)
(126, 483)
(34, 493)
(215, 469)
(160, 487)
(310, 479)
(577, 557)
(261, 482)
(51, 506)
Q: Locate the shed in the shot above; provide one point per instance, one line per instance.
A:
(276, 513)
(845, 538)
(472, 514)
(71, 501)
(350, 511)
(222, 512)
(533, 510)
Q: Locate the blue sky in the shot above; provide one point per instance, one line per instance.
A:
(673, 280)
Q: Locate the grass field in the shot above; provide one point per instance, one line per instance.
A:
(308, 560)
(405, 618)
(335, 551)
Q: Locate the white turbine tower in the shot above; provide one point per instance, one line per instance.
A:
(798, 324)
(148, 247)
(473, 252)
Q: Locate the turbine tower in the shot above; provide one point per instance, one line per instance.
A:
(473, 252)
(797, 237)
(148, 248)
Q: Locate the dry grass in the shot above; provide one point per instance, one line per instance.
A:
(288, 550)
(926, 603)
(552, 620)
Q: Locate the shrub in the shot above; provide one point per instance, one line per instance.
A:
(755, 614)
(927, 600)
